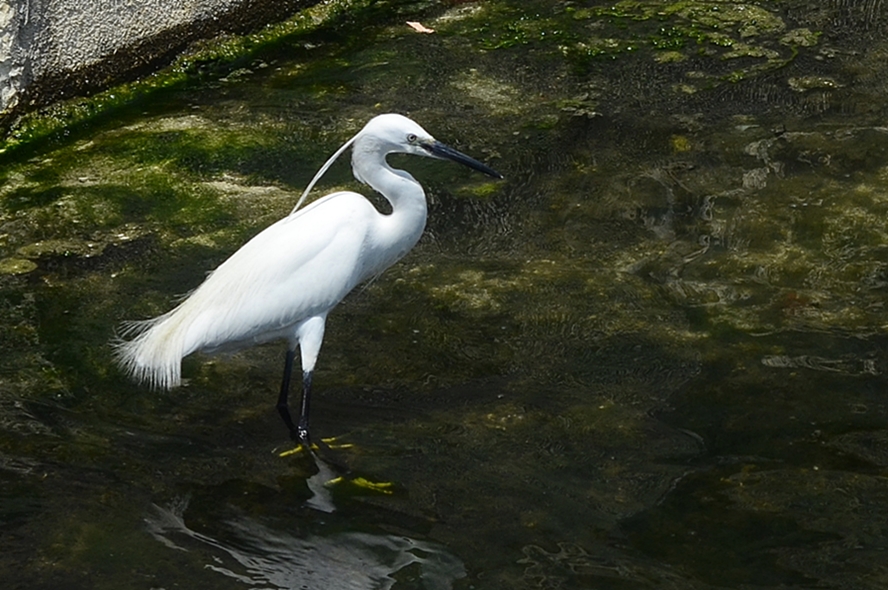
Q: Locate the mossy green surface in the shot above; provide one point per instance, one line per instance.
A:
(651, 357)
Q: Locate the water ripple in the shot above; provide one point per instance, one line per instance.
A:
(270, 559)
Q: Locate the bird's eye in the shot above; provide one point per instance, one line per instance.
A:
(411, 138)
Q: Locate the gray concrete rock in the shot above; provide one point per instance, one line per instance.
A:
(53, 49)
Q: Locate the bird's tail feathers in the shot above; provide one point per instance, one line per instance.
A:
(151, 351)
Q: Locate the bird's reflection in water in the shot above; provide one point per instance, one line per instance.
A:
(262, 557)
(321, 498)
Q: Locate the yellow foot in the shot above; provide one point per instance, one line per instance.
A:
(382, 487)
(293, 451)
(329, 443)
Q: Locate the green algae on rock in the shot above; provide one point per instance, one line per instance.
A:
(16, 266)
(669, 33)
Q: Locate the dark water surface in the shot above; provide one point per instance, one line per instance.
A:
(653, 357)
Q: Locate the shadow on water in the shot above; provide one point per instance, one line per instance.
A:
(653, 357)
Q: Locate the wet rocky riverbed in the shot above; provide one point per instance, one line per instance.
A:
(652, 357)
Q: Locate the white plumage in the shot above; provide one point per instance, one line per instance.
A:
(283, 282)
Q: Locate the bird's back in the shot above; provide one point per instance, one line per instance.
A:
(297, 268)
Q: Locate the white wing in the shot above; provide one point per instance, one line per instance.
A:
(297, 268)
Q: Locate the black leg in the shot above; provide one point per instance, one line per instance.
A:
(302, 429)
(282, 406)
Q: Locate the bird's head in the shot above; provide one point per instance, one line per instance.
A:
(394, 133)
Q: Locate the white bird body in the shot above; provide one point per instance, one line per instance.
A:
(284, 281)
(271, 295)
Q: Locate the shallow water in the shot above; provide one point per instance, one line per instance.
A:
(654, 356)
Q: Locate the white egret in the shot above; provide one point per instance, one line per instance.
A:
(283, 282)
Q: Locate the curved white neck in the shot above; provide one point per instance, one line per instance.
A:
(397, 233)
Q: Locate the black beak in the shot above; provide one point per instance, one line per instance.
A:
(439, 150)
